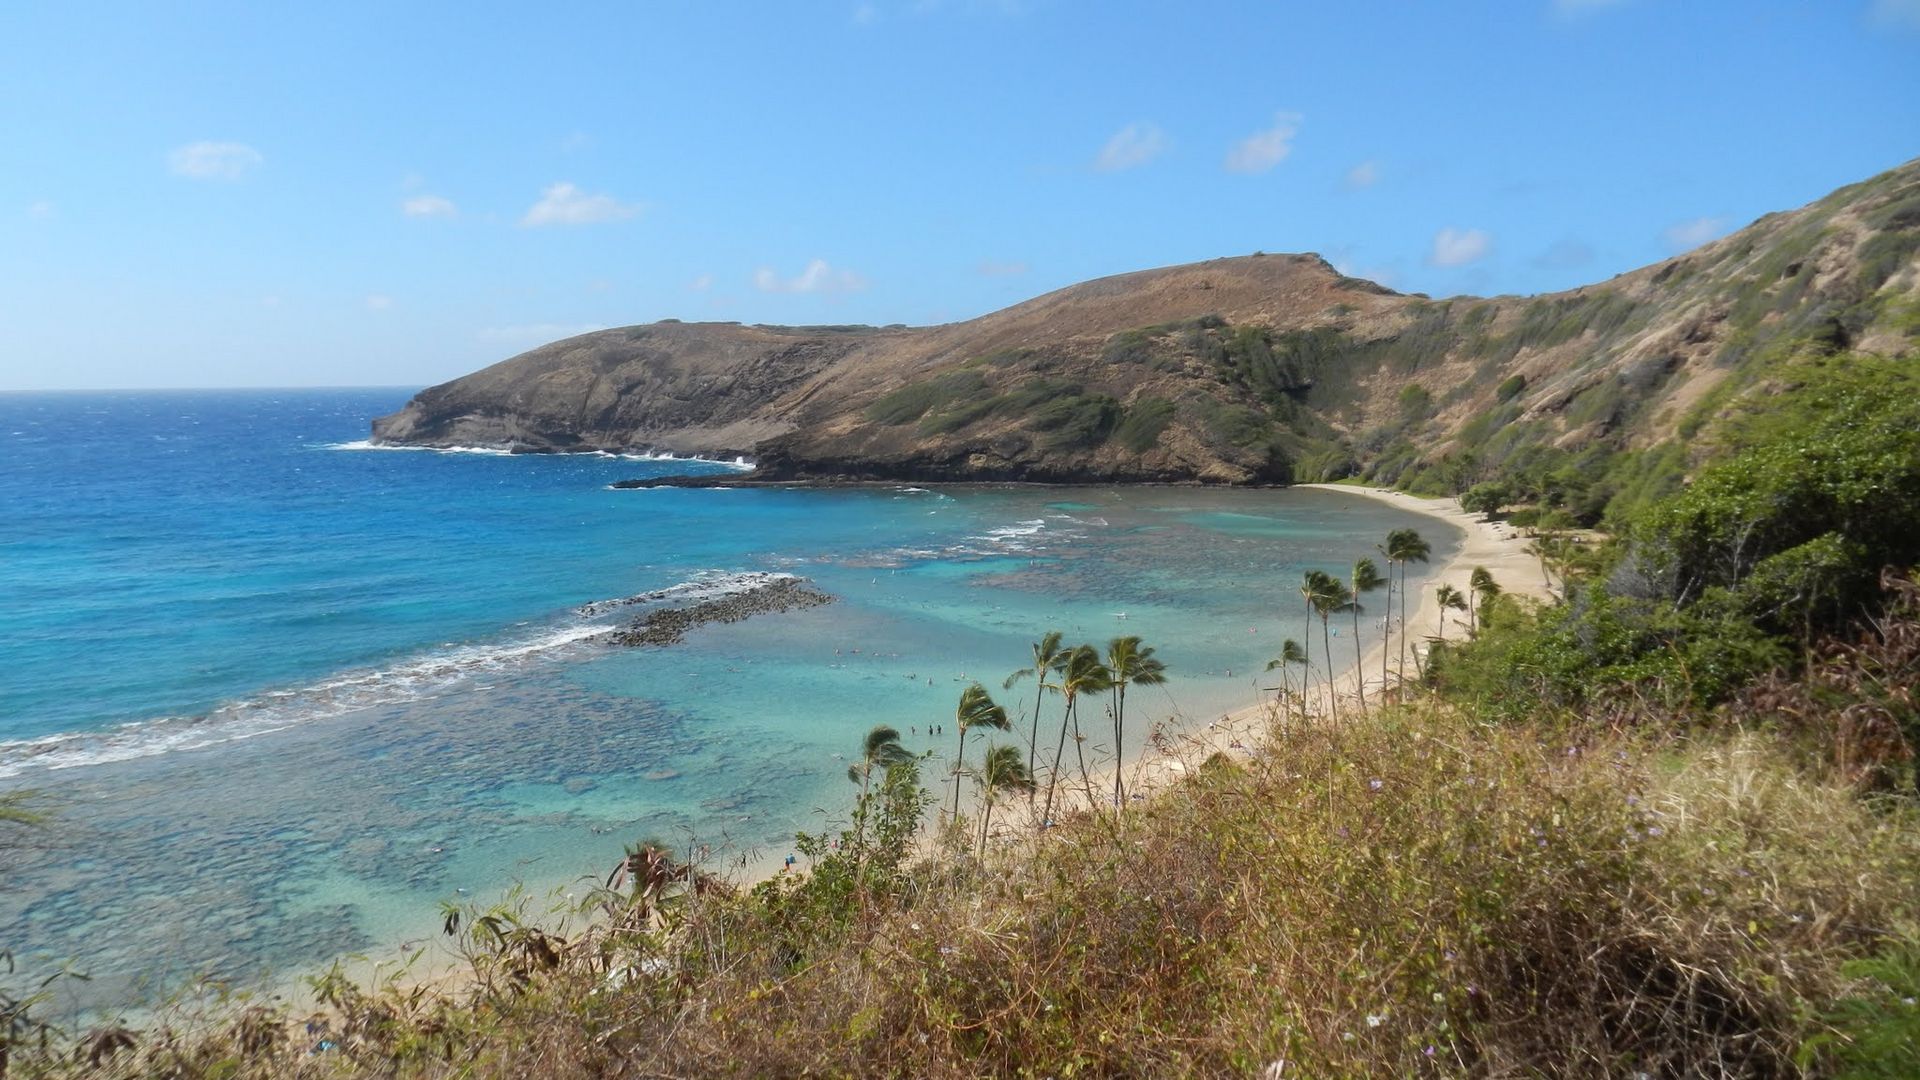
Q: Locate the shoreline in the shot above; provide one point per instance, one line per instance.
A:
(1173, 746)
(1498, 547)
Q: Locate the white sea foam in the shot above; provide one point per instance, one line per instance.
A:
(1019, 538)
(703, 586)
(369, 444)
(740, 463)
(1018, 530)
(277, 710)
(421, 676)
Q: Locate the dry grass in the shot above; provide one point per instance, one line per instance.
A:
(1420, 895)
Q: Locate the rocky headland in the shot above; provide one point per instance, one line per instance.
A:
(1262, 369)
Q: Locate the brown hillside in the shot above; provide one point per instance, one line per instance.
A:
(1240, 370)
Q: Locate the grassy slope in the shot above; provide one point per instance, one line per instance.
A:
(1278, 369)
(1571, 859)
(1568, 859)
(1420, 895)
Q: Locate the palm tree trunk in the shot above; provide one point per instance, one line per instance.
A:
(986, 815)
(959, 762)
(1402, 676)
(1326, 642)
(1053, 773)
(1119, 726)
(1386, 633)
(860, 818)
(1359, 668)
(1033, 743)
(1080, 754)
(1306, 670)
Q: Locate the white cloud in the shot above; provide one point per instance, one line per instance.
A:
(429, 206)
(1262, 150)
(379, 302)
(1131, 147)
(1457, 247)
(818, 277)
(1897, 13)
(530, 334)
(575, 141)
(1687, 235)
(865, 14)
(41, 210)
(214, 160)
(565, 204)
(1364, 175)
(701, 283)
(993, 268)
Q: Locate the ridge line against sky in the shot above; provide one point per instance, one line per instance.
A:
(229, 195)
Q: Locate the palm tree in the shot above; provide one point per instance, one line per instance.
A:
(1450, 599)
(976, 709)
(1290, 653)
(1482, 587)
(1048, 656)
(1312, 584)
(1002, 771)
(1405, 546)
(881, 750)
(1555, 553)
(1386, 634)
(1128, 661)
(1333, 595)
(1366, 578)
(1083, 674)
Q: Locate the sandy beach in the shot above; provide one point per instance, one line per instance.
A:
(1175, 750)
(1496, 546)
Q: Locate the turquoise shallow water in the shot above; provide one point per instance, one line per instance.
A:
(286, 695)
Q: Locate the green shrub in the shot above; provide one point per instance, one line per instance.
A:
(910, 402)
(1876, 1029)
(1599, 645)
(1486, 498)
(1076, 422)
(1224, 426)
(1416, 402)
(960, 415)
(1839, 454)
(1139, 431)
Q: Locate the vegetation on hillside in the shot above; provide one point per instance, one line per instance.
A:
(1668, 826)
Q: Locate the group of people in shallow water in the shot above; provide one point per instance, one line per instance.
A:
(932, 729)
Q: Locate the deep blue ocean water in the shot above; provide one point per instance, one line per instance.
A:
(282, 693)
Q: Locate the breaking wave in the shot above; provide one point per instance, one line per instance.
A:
(573, 635)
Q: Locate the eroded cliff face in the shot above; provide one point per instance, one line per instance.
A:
(689, 388)
(1258, 369)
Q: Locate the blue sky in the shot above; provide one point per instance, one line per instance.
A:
(207, 194)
